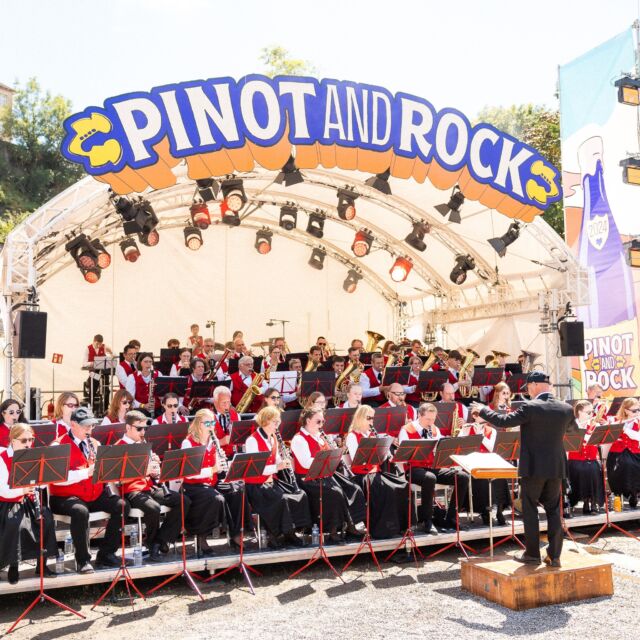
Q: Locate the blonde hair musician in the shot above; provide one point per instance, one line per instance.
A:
(623, 461)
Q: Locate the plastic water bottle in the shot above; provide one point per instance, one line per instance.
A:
(264, 540)
(315, 535)
(68, 545)
(133, 538)
(137, 556)
(60, 563)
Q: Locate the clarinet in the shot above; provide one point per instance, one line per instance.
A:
(286, 456)
(222, 458)
(151, 402)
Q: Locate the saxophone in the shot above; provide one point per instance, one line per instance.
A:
(458, 422)
(250, 394)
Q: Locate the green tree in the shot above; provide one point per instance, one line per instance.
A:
(279, 63)
(536, 126)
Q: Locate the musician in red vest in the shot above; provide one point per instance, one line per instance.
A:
(197, 375)
(271, 363)
(79, 496)
(127, 366)
(148, 494)
(240, 382)
(96, 348)
(225, 414)
(373, 393)
(396, 396)
(138, 382)
(207, 354)
(170, 413)
(10, 414)
(448, 394)
(19, 524)
(414, 397)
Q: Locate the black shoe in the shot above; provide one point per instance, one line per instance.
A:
(46, 572)
(552, 562)
(633, 500)
(13, 575)
(566, 514)
(164, 547)
(354, 533)
(154, 553)
(334, 538)
(273, 544)
(500, 518)
(292, 540)
(586, 509)
(485, 515)
(429, 529)
(108, 560)
(527, 559)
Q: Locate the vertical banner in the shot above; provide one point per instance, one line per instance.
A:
(601, 211)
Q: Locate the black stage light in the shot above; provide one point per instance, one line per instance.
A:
(464, 263)
(288, 217)
(380, 182)
(453, 206)
(192, 238)
(350, 283)
(130, 250)
(263, 241)
(315, 226)
(208, 189)
(416, 238)
(500, 244)
(290, 174)
(233, 193)
(346, 204)
(317, 258)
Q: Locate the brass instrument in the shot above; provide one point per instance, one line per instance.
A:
(529, 360)
(456, 427)
(373, 340)
(602, 411)
(151, 403)
(355, 376)
(466, 372)
(342, 383)
(253, 390)
(286, 456)
(429, 396)
(311, 366)
(391, 362)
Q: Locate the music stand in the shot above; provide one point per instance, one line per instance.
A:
(517, 383)
(200, 390)
(484, 377)
(398, 375)
(168, 384)
(372, 452)
(119, 464)
(324, 465)
(242, 467)
(167, 436)
(177, 465)
(431, 381)
(616, 403)
(409, 451)
(289, 424)
(36, 468)
(337, 421)
(389, 420)
(44, 433)
(108, 434)
(241, 430)
(284, 381)
(444, 418)
(445, 449)
(322, 381)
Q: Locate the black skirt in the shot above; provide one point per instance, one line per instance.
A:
(356, 503)
(585, 478)
(233, 495)
(624, 473)
(207, 510)
(282, 508)
(335, 514)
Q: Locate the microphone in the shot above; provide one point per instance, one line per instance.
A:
(270, 324)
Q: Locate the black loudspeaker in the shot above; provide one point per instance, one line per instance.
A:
(30, 334)
(571, 338)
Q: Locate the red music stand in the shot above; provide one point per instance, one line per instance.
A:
(324, 465)
(389, 420)
(411, 451)
(372, 452)
(517, 383)
(166, 437)
(177, 465)
(119, 464)
(36, 468)
(243, 466)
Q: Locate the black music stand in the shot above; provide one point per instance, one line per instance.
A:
(337, 421)
(167, 384)
(324, 465)
(322, 381)
(44, 433)
(417, 450)
(607, 434)
(177, 465)
(242, 467)
(398, 375)
(444, 418)
(517, 383)
(36, 468)
(389, 420)
(107, 434)
(484, 377)
(201, 390)
(373, 452)
(167, 436)
(616, 403)
(432, 381)
(289, 424)
(240, 431)
(119, 464)
(445, 449)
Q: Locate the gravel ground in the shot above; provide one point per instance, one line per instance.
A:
(408, 602)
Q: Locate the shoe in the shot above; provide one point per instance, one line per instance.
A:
(566, 514)
(154, 553)
(108, 560)
(85, 568)
(586, 509)
(485, 515)
(445, 528)
(429, 529)
(527, 559)
(633, 501)
(500, 518)
(13, 575)
(334, 538)
(355, 532)
(46, 572)
(164, 547)
(292, 540)
(273, 544)
(552, 562)
(235, 543)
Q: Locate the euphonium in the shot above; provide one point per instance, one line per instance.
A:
(252, 391)
(530, 358)
(466, 372)
(429, 396)
(373, 339)
(355, 376)
(342, 382)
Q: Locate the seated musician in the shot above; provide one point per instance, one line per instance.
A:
(79, 496)
(337, 364)
(120, 404)
(207, 353)
(325, 351)
(197, 375)
(501, 399)
(242, 380)
(239, 347)
(127, 365)
(354, 397)
(341, 508)
(290, 399)
(281, 505)
(396, 396)
(282, 345)
(414, 397)
(441, 359)
(271, 398)
(594, 395)
(66, 404)
(270, 364)
(371, 382)
(170, 413)
(315, 356)
(353, 355)
(148, 494)
(356, 343)
(138, 382)
(173, 343)
(224, 414)
(454, 363)
(183, 366)
(316, 400)
(448, 394)
(623, 461)
(135, 344)
(10, 414)
(19, 523)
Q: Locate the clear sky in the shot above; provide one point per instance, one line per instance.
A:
(458, 53)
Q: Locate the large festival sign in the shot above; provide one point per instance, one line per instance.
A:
(597, 133)
(221, 126)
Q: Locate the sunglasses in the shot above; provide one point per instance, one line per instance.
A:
(635, 410)
(25, 440)
(71, 405)
(172, 406)
(138, 429)
(209, 423)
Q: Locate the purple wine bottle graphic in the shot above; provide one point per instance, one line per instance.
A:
(600, 250)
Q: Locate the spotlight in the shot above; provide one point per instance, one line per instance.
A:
(346, 206)
(232, 218)
(200, 215)
(263, 241)
(630, 170)
(288, 217)
(628, 90)
(130, 250)
(634, 253)
(380, 182)
(362, 243)
(416, 238)
(91, 275)
(192, 238)
(463, 264)
(315, 226)
(400, 269)
(104, 258)
(290, 174)
(453, 206)
(124, 206)
(208, 189)
(234, 195)
(149, 238)
(350, 283)
(317, 258)
(142, 218)
(83, 252)
(500, 244)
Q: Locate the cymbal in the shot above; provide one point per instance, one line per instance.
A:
(262, 345)
(218, 346)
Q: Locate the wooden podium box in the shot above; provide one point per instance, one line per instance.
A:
(523, 586)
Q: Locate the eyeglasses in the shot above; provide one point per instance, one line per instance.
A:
(25, 440)
(71, 405)
(398, 393)
(636, 410)
(171, 406)
(139, 429)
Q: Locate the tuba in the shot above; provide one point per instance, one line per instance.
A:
(529, 363)
(373, 340)
(466, 371)
(342, 383)
(429, 396)
(250, 394)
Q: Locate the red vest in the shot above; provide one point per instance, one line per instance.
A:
(4, 435)
(61, 429)
(93, 353)
(141, 484)
(362, 469)
(7, 463)
(239, 387)
(414, 398)
(625, 442)
(162, 419)
(588, 451)
(128, 369)
(428, 463)
(84, 489)
(208, 461)
(220, 433)
(314, 447)
(373, 383)
(142, 387)
(271, 460)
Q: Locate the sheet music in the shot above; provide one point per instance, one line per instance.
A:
(485, 461)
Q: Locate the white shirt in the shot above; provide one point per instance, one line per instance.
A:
(122, 375)
(251, 446)
(367, 390)
(478, 430)
(5, 490)
(205, 472)
(346, 405)
(403, 435)
(76, 475)
(300, 448)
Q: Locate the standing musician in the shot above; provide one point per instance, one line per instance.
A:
(441, 359)
(183, 366)
(342, 500)
(242, 380)
(138, 382)
(623, 461)
(126, 366)
(78, 496)
(282, 507)
(291, 399)
(371, 382)
(448, 394)
(170, 413)
(354, 397)
(224, 414)
(197, 375)
(414, 397)
(66, 404)
(148, 495)
(19, 523)
(282, 345)
(271, 363)
(325, 351)
(96, 349)
(396, 396)
(454, 362)
(195, 340)
(120, 404)
(10, 414)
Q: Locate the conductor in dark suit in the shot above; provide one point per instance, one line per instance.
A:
(543, 422)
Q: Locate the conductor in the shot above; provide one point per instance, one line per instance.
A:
(543, 422)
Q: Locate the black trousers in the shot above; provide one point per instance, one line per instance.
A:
(457, 478)
(150, 502)
(78, 510)
(427, 481)
(545, 491)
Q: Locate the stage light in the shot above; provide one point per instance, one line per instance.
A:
(315, 226)
(400, 269)
(83, 252)
(317, 258)
(192, 238)
(233, 193)
(630, 170)
(104, 258)
(416, 238)
(500, 244)
(263, 241)
(380, 182)
(232, 218)
(149, 238)
(464, 263)
(124, 206)
(130, 250)
(288, 217)
(362, 243)
(200, 215)
(91, 275)
(346, 206)
(143, 220)
(350, 283)
(290, 174)
(453, 206)
(208, 189)
(628, 90)
(634, 253)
